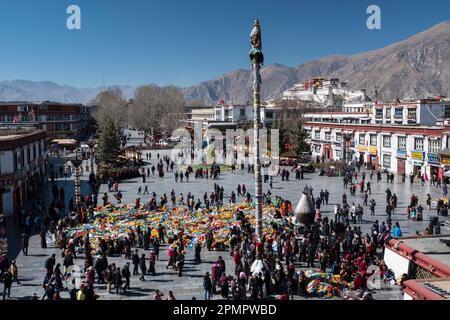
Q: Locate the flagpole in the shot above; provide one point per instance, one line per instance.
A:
(257, 59)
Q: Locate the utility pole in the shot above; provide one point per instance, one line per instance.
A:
(257, 59)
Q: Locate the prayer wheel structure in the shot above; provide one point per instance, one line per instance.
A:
(305, 212)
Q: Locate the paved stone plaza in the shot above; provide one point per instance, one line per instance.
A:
(31, 267)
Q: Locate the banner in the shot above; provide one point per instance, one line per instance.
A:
(417, 155)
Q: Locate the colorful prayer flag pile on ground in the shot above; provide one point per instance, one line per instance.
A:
(326, 285)
(115, 222)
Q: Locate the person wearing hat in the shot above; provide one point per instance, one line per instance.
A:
(207, 286)
(118, 281)
(135, 260)
(7, 282)
(143, 266)
(152, 262)
(126, 275)
(198, 249)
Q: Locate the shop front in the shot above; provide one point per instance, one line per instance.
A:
(417, 158)
(374, 160)
(327, 152)
(444, 156)
(362, 151)
(401, 162)
(7, 203)
(434, 163)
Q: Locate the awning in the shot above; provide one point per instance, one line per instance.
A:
(445, 153)
(64, 141)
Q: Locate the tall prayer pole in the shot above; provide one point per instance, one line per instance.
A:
(257, 59)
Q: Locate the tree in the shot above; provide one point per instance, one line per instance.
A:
(290, 124)
(300, 136)
(111, 107)
(157, 109)
(109, 143)
(278, 125)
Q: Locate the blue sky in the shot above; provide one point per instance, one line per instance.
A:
(183, 42)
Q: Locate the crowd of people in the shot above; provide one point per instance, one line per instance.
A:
(275, 264)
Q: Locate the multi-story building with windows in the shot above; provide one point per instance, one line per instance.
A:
(399, 137)
(23, 166)
(330, 94)
(58, 119)
(225, 116)
(423, 112)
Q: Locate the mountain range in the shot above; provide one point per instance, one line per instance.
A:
(416, 67)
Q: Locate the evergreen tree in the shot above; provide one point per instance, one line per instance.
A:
(300, 136)
(109, 143)
(282, 134)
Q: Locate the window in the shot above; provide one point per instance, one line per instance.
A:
(28, 155)
(373, 140)
(387, 161)
(22, 158)
(327, 136)
(269, 114)
(34, 152)
(412, 113)
(362, 139)
(58, 117)
(242, 112)
(434, 146)
(387, 141)
(317, 134)
(338, 154)
(447, 112)
(317, 148)
(16, 161)
(398, 113)
(418, 144)
(379, 113)
(402, 143)
(388, 112)
(338, 137)
(23, 108)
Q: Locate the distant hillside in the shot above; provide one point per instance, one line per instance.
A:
(23, 90)
(417, 66)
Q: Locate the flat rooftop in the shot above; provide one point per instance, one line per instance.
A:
(428, 289)
(431, 246)
(440, 287)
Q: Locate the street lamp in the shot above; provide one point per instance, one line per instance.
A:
(91, 145)
(76, 162)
